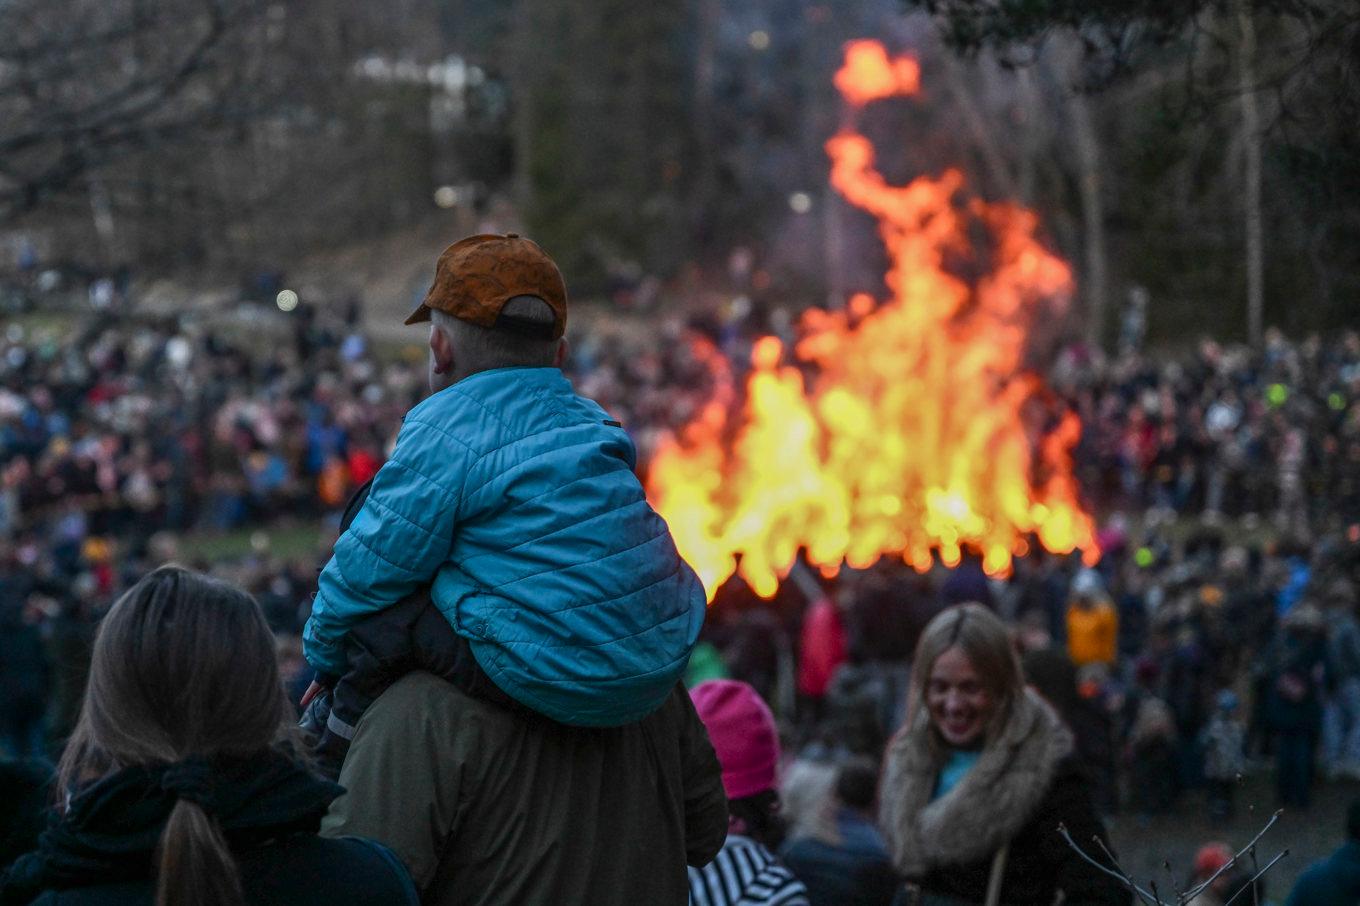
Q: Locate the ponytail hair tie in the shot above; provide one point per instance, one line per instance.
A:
(190, 780)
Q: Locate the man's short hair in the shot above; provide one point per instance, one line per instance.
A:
(520, 338)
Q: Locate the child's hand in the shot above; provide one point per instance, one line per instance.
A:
(312, 692)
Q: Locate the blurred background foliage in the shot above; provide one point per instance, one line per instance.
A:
(203, 140)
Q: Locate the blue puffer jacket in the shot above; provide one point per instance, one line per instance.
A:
(518, 498)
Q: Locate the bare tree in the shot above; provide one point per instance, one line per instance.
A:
(84, 83)
(1251, 130)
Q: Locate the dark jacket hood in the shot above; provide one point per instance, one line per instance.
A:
(112, 828)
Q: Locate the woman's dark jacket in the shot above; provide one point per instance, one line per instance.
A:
(1026, 784)
(102, 851)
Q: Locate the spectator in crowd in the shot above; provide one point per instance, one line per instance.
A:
(179, 783)
(493, 805)
(705, 663)
(1341, 722)
(1052, 674)
(807, 792)
(981, 776)
(1335, 881)
(1092, 623)
(1131, 612)
(1150, 755)
(745, 872)
(514, 502)
(1296, 667)
(23, 670)
(845, 862)
(1185, 682)
(1225, 760)
(822, 649)
(1227, 881)
(966, 583)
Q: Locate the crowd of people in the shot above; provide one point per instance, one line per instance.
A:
(1184, 669)
(1272, 434)
(134, 424)
(1183, 661)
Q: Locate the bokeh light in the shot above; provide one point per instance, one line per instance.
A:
(446, 197)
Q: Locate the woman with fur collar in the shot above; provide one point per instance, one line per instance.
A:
(980, 777)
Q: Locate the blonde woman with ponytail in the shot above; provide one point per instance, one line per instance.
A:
(180, 785)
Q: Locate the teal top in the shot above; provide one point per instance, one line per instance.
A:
(960, 762)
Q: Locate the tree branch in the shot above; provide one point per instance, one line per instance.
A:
(1152, 897)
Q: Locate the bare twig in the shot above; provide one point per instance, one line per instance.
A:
(1254, 878)
(1117, 875)
(1152, 897)
(1255, 894)
(1249, 848)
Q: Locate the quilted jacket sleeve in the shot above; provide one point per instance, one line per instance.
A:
(397, 542)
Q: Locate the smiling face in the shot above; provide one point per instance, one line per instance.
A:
(959, 703)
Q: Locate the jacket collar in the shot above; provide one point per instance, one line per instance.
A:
(477, 385)
(112, 827)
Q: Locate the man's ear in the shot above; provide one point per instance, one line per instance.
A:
(563, 350)
(442, 350)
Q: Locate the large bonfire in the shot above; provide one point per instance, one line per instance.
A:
(917, 432)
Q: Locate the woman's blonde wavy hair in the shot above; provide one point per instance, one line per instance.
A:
(986, 642)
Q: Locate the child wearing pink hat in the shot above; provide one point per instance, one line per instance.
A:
(744, 736)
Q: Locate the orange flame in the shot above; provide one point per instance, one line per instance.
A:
(918, 432)
(869, 75)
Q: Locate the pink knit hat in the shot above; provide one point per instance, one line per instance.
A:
(743, 733)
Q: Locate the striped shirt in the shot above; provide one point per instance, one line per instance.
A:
(744, 873)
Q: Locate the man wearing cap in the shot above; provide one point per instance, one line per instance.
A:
(514, 500)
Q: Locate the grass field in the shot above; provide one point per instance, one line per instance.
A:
(285, 541)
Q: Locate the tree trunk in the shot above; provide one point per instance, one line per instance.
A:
(101, 213)
(1029, 111)
(1087, 144)
(984, 136)
(1251, 128)
(524, 79)
(709, 21)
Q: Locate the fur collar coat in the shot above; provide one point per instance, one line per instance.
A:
(989, 805)
(1025, 783)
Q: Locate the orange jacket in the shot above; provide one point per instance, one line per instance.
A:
(1091, 634)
